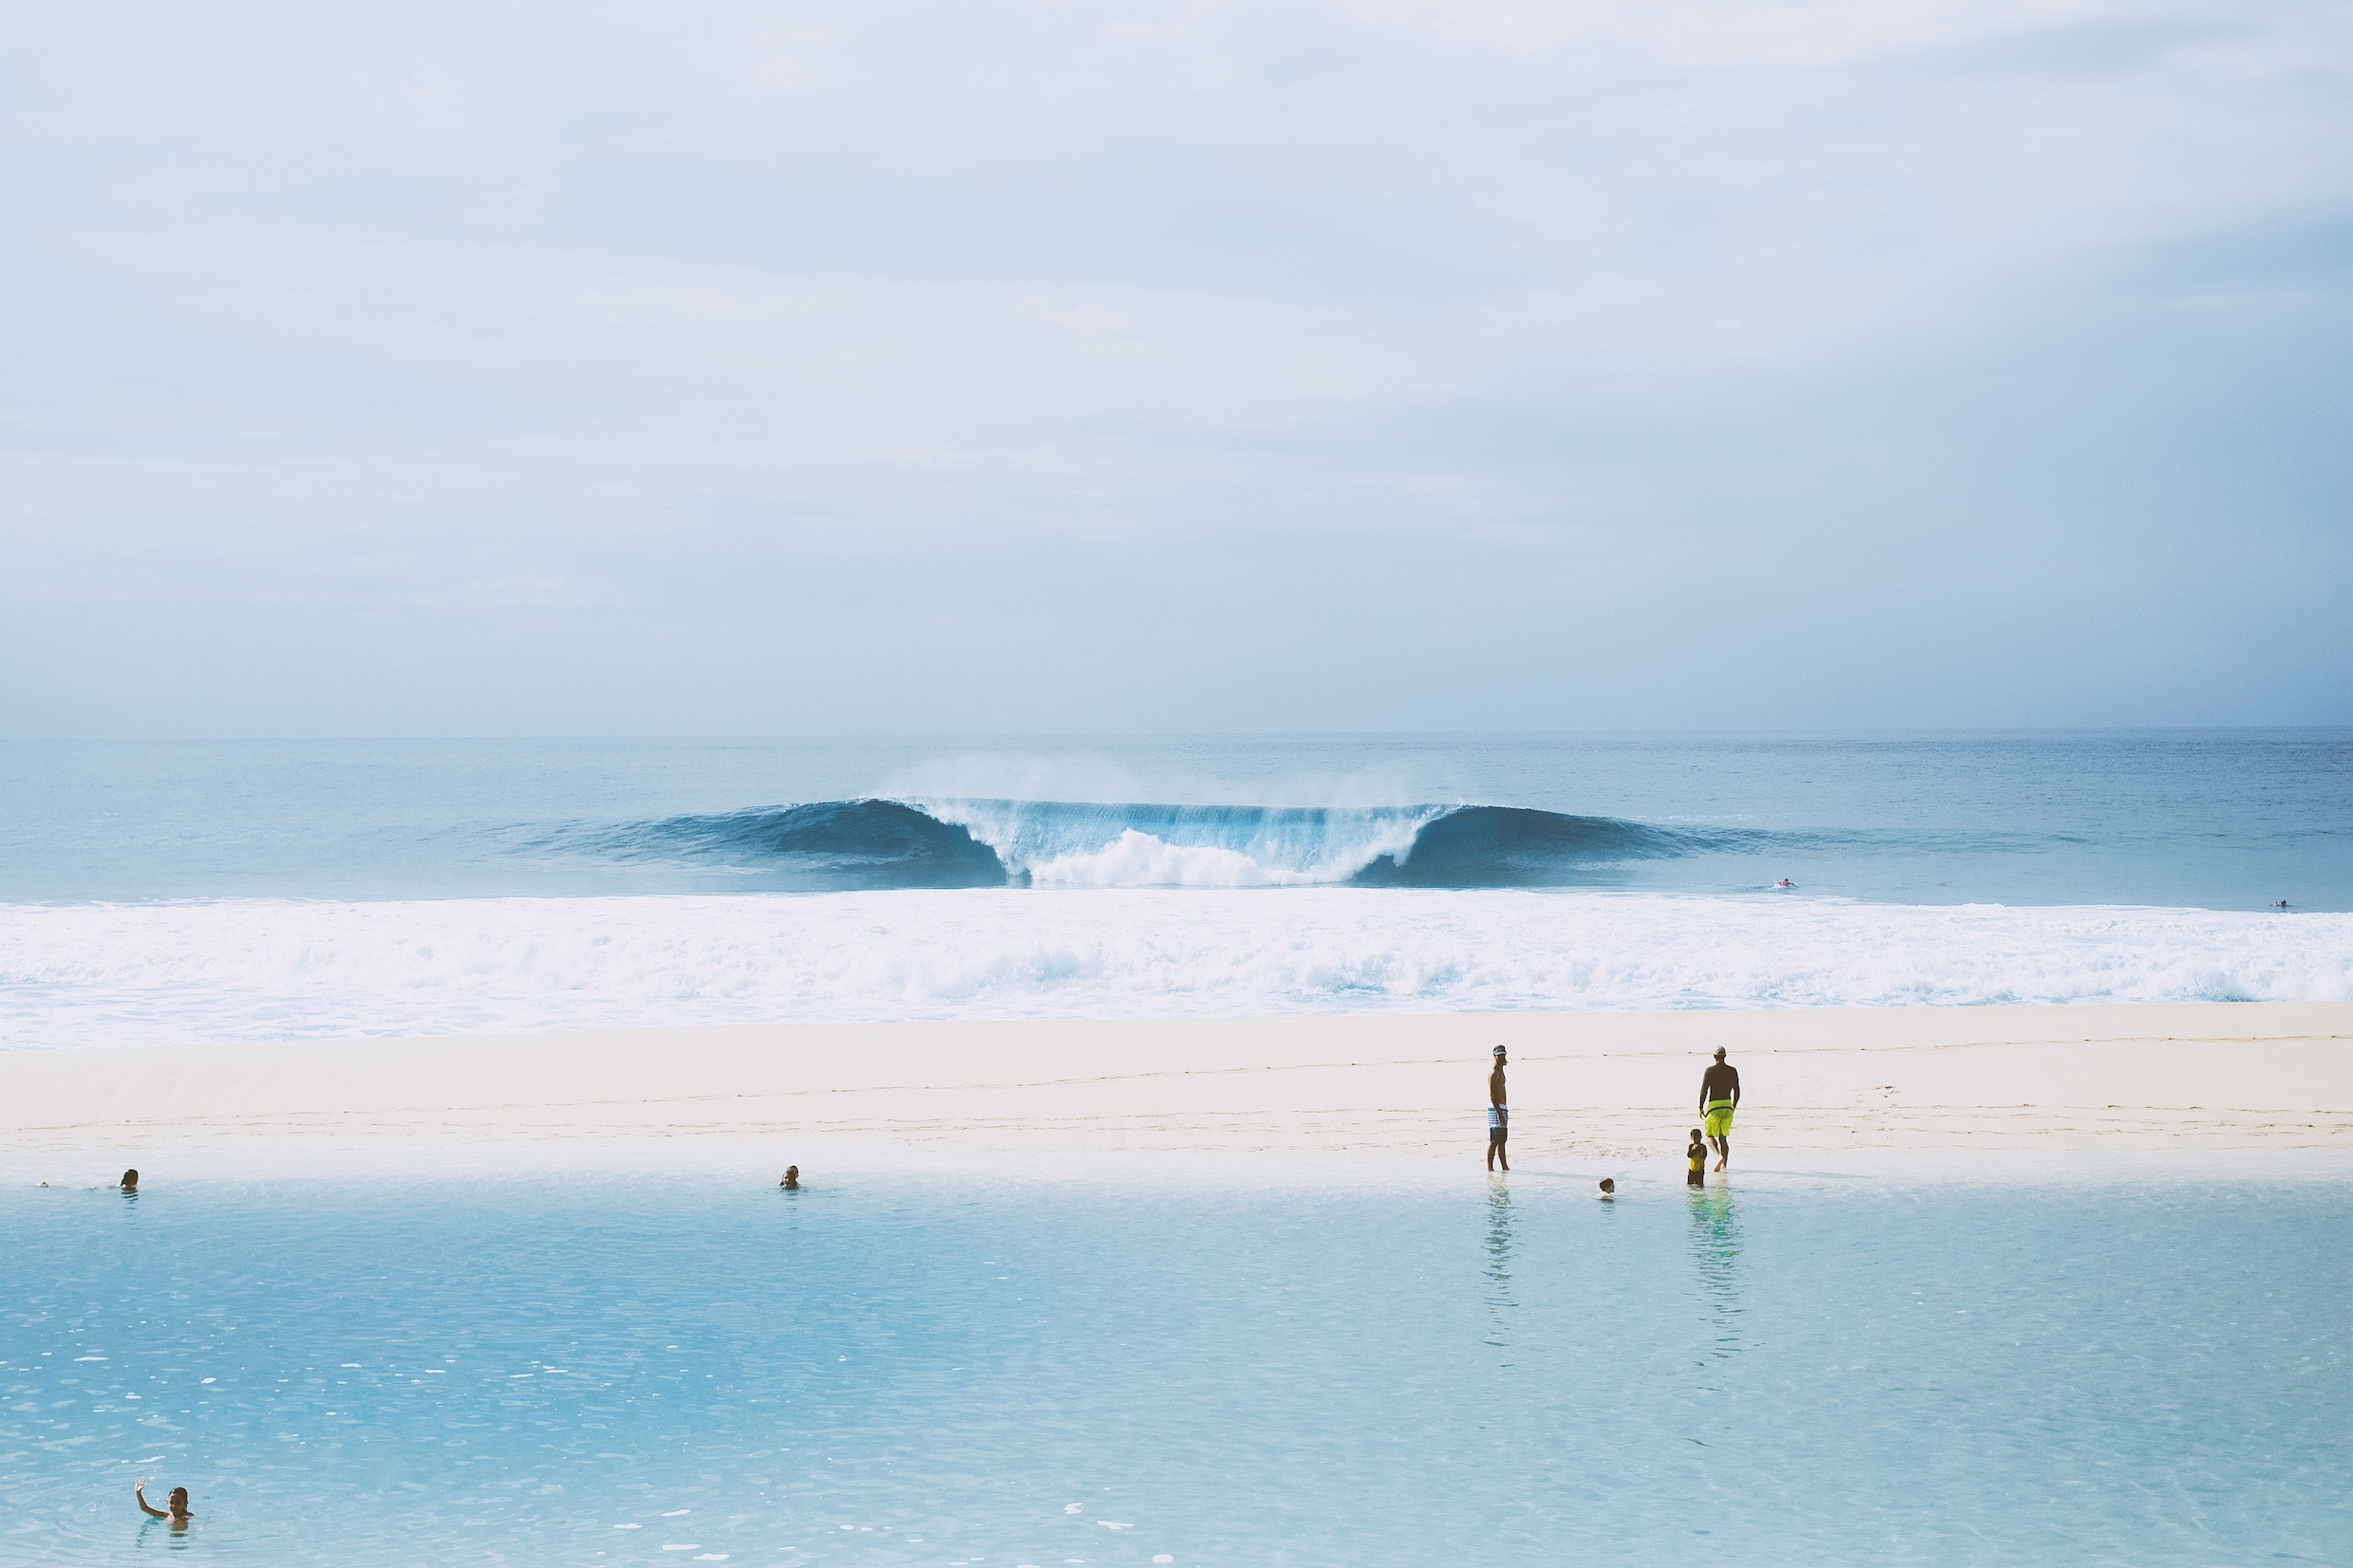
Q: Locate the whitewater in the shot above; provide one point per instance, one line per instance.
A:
(167, 891)
(254, 969)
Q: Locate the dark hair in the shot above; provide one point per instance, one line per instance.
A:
(130, 1177)
(1694, 1132)
(179, 1494)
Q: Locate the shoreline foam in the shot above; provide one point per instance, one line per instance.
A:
(264, 969)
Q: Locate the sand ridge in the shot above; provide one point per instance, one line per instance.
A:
(2202, 1076)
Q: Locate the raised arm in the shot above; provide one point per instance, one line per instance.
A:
(140, 1491)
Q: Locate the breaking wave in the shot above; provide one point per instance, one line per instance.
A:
(847, 845)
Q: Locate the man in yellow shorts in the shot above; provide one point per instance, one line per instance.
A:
(1719, 1096)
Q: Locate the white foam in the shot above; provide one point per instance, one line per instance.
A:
(1066, 845)
(248, 969)
(1137, 859)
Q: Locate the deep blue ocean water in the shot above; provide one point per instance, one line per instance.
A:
(662, 1369)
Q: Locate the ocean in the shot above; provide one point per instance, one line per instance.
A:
(527, 1355)
(1018, 1374)
(172, 892)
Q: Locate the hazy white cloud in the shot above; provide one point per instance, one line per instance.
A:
(1060, 350)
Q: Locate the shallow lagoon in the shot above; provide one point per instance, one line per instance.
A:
(904, 1370)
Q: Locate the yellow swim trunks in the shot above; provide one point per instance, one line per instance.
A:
(1719, 1122)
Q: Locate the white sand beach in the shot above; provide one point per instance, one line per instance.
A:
(2208, 1077)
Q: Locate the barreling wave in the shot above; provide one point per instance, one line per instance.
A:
(965, 843)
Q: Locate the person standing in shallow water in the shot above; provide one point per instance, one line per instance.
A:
(1498, 1118)
(1719, 1096)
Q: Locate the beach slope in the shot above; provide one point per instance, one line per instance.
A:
(1613, 1086)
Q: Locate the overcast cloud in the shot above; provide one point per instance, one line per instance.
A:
(733, 368)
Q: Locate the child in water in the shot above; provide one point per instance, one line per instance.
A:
(1609, 1189)
(1698, 1155)
(179, 1516)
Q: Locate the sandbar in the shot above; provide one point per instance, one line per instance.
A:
(1607, 1087)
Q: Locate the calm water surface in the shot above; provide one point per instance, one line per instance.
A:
(660, 1370)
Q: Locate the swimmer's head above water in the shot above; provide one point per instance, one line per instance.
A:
(177, 1504)
(1609, 1187)
(130, 1180)
(793, 1178)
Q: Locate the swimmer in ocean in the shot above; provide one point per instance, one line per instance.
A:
(1784, 882)
(793, 1179)
(1609, 1189)
(179, 1516)
(130, 1180)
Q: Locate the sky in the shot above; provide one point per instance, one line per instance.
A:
(1056, 368)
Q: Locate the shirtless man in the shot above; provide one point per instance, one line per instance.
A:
(179, 1516)
(1719, 1096)
(1498, 1118)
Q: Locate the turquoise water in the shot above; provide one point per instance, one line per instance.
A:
(1792, 1368)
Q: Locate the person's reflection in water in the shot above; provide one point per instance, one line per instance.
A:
(1716, 1248)
(1499, 1302)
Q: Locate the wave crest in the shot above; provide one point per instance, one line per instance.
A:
(845, 845)
(824, 846)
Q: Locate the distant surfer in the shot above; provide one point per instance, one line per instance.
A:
(178, 1502)
(1784, 882)
(793, 1179)
(1498, 1118)
(1719, 1096)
